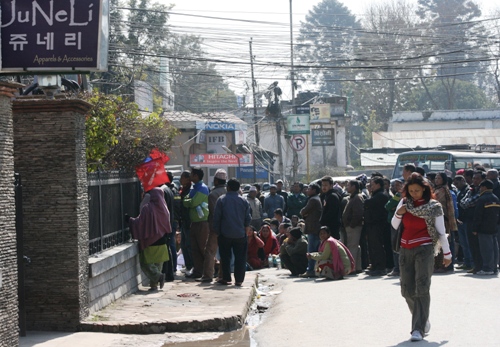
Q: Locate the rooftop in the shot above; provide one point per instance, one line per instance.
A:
(187, 120)
(445, 115)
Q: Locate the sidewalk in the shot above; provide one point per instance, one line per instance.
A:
(181, 306)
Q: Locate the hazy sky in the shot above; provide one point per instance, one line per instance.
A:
(228, 40)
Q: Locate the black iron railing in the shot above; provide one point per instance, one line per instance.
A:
(111, 195)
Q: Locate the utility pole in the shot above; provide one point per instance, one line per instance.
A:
(295, 165)
(292, 72)
(255, 118)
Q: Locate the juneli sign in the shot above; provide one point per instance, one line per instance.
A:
(48, 35)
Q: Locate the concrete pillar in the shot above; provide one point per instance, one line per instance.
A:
(49, 152)
(8, 255)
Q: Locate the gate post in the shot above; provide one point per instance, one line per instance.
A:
(9, 335)
(49, 153)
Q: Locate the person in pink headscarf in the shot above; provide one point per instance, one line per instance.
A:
(150, 228)
(333, 259)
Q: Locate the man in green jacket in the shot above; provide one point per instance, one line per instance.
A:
(296, 200)
(197, 202)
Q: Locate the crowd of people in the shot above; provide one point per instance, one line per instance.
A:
(411, 227)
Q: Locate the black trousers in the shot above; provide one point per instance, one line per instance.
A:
(297, 263)
(376, 248)
(239, 248)
(474, 248)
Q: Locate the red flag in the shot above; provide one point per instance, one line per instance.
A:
(152, 173)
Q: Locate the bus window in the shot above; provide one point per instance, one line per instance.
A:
(484, 162)
(495, 163)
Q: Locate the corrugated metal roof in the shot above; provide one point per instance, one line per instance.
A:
(445, 115)
(187, 120)
(378, 159)
(431, 139)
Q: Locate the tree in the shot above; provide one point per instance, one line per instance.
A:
(197, 85)
(139, 39)
(383, 56)
(326, 40)
(493, 45)
(450, 38)
(118, 136)
(467, 95)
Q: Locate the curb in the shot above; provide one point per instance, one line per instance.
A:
(216, 323)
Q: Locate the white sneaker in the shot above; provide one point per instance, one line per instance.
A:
(427, 327)
(416, 336)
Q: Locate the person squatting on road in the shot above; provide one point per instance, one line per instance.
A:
(151, 228)
(333, 259)
(423, 236)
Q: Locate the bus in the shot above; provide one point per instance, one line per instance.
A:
(450, 160)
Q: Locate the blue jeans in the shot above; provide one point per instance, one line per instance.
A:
(312, 246)
(489, 251)
(464, 243)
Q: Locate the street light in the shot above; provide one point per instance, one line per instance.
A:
(231, 152)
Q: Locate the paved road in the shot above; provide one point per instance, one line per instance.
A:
(365, 311)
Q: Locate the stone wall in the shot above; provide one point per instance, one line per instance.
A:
(8, 256)
(113, 273)
(49, 151)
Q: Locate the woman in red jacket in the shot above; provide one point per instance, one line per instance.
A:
(424, 234)
(271, 244)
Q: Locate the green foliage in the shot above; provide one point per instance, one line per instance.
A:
(326, 39)
(139, 38)
(372, 125)
(197, 85)
(466, 96)
(119, 137)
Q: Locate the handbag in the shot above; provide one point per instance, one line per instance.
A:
(396, 237)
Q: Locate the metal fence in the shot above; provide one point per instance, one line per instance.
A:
(111, 195)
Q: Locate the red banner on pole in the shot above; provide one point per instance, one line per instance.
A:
(152, 173)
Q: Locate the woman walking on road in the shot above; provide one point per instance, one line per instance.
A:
(424, 234)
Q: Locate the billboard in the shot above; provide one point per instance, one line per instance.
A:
(261, 173)
(218, 160)
(323, 137)
(322, 113)
(54, 36)
(298, 124)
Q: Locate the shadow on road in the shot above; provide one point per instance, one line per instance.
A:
(421, 343)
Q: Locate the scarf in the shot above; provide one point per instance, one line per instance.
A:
(153, 222)
(428, 212)
(337, 264)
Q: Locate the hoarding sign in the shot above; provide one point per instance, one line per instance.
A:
(323, 137)
(218, 160)
(220, 126)
(320, 113)
(247, 172)
(298, 124)
(54, 36)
